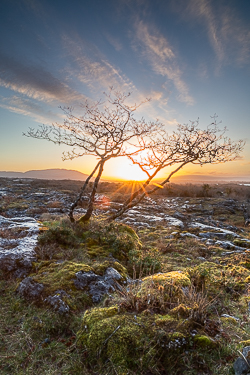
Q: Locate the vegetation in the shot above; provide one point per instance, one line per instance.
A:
(166, 313)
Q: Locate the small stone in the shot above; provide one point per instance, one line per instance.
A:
(29, 289)
(230, 316)
(57, 303)
(240, 365)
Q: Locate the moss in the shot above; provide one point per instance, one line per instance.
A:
(91, 242)
(57, 276)
(242, 242)
(174, 277)
(94, 315)
(229, 320)
(180, 311)
(245, 343)
(116, 239)
(59, 234)
(123, 339)
(96, 251)
(204, 341)
(165, 320)
(100, 268)
(213, 276)
(133, 342)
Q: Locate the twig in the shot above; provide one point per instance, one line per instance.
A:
(105, 342)
(244, 358)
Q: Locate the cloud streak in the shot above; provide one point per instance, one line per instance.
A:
(228, 34)
(95, 72)
(27, 107)
(160, 55)
(35, 82)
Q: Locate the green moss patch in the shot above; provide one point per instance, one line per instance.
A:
(100, 268)
(214, 276)
(174, 278)
(135, 342)
(56, 276)
(204, 342)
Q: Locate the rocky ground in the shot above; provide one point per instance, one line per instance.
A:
(164, 290)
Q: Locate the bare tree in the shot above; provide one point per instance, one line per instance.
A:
(187, 145)
(106, 130)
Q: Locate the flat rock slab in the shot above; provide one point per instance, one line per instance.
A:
(18, 252)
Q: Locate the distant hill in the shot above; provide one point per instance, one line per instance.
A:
(68, 174)
(200, 179)
(47, 174)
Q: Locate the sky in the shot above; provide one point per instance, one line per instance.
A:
(191, 57)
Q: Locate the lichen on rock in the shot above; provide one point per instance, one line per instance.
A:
(29, 289)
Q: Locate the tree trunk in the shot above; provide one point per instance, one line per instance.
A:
(89, 212)
(130, 203)
(74, 205)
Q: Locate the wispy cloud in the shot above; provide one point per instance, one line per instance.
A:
(161, 56)
(203, 9)
(95, 71)
(35, 82)
(28, 107)
(236, 36)
(114, 41)
(228, 33)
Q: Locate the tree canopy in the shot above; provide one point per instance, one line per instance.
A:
(109, 130)
(106, 129)
(188, 144)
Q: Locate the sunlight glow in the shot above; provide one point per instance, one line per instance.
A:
(125, 170)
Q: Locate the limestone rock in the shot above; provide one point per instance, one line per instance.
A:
(18, 252)
(29, 289)
(240, 365)
(57, 302)
(96, 285)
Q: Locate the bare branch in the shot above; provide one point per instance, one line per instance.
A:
(187, 145)
(104, 129)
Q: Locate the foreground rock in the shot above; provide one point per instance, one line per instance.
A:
(242, 364)
(29, 289)
(19, 238)
(97, 285)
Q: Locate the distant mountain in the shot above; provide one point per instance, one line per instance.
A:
(68, 174)
(199, 178)
(47, 174)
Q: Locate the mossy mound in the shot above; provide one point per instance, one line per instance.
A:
(60, 234)
(204, 342)
(134, 342)
(114, 239)
(123, 339)
(174, 278)
(213, 277)
(60, 277)
(97, 238)
(56, 276)
(159, 292)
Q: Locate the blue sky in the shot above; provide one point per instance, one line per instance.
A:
(191, 57)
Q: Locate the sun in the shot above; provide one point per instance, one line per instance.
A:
(125, 170)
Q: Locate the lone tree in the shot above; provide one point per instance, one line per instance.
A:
(187, 145)
(105, 130)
